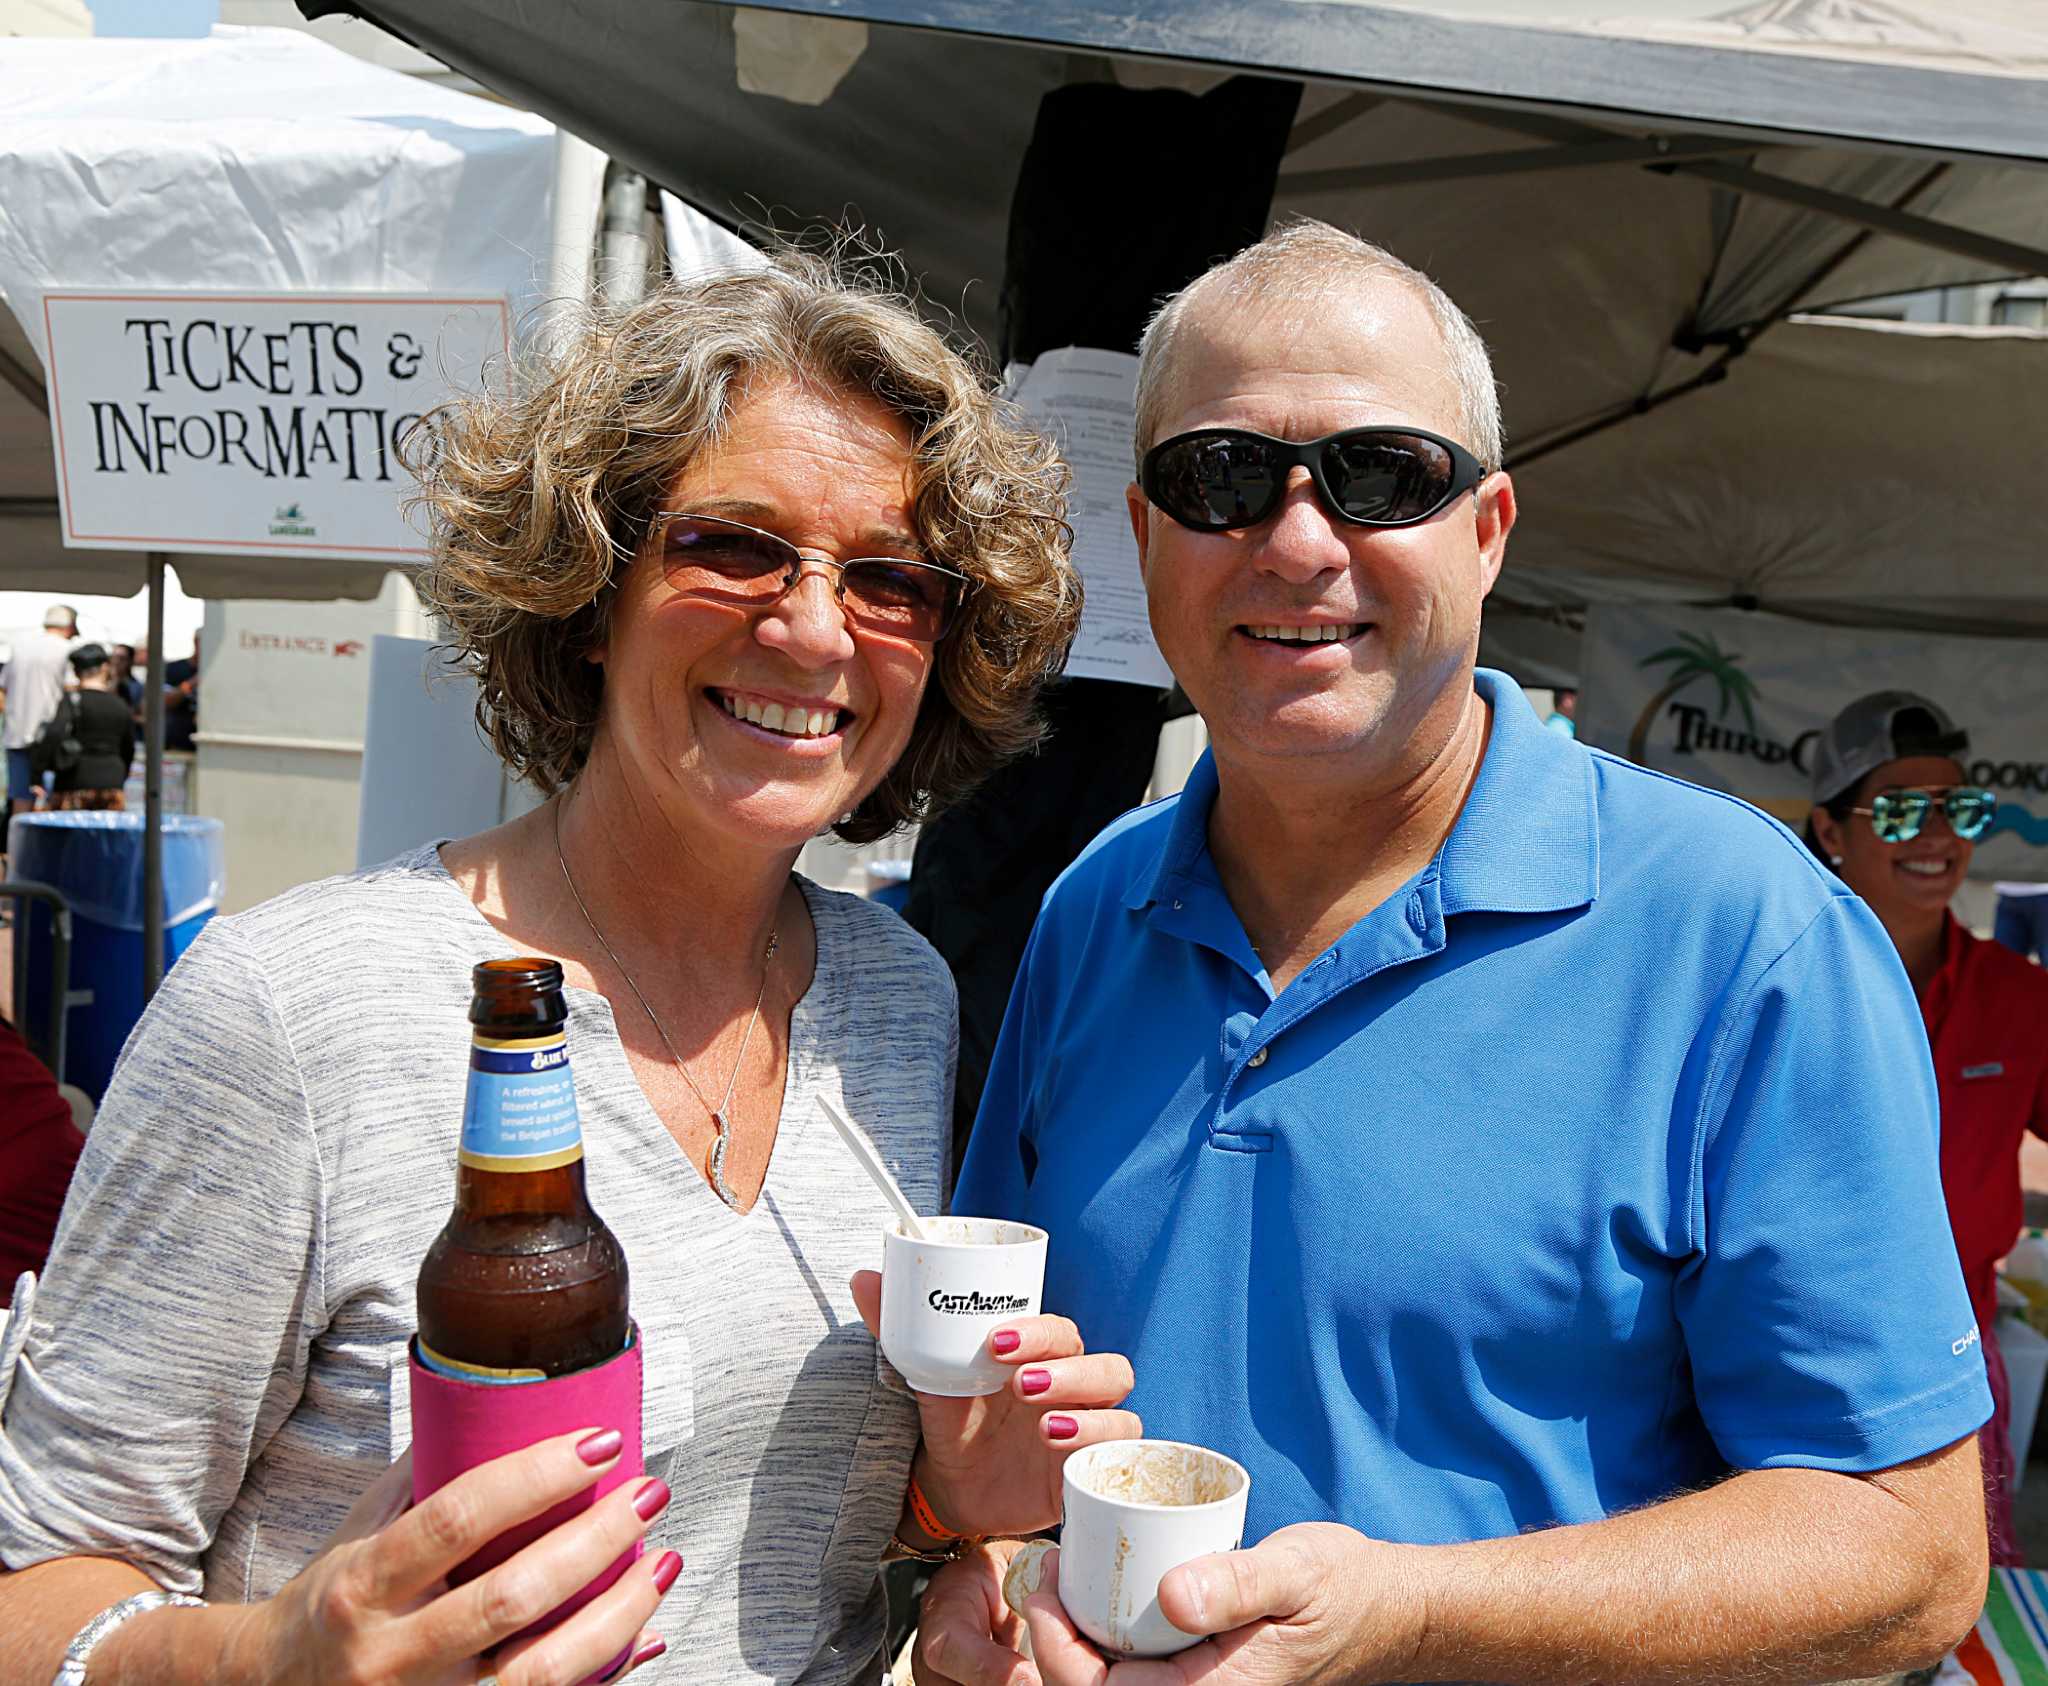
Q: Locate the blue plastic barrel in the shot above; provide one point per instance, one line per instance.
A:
(95, 860)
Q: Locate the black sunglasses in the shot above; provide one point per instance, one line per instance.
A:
(707, 556)
(1220, 478)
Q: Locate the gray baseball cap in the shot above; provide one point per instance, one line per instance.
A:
(1867, 734)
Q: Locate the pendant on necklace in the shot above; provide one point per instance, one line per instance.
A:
(718, 1146)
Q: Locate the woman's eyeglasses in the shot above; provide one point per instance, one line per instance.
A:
(1220, 478)
(724, 561)
(1897, 815)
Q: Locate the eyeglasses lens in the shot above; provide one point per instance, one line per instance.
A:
(1388, 478)
(705, 558)
(1970, 811)
(1897, 815)
(730, 563)
(894, 597)
(1217, 481)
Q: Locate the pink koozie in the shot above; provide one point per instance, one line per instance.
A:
(457, 1425)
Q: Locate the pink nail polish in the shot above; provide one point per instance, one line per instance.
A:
(1034, 1381)
(1004, 1342)
(665, 1572)
(1060, 1427)
(648, 1652)
(650, 1501)
(601, 1447)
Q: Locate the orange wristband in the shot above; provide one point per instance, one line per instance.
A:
(925, 1517)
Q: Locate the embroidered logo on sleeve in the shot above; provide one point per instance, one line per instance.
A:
(1959, 1348)
(1990, 1068)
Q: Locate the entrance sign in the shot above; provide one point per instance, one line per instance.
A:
(252, 421)
(1737, 701)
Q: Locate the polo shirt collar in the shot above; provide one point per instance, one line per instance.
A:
(1184, 856)
(1529, 838)
(1527, 841)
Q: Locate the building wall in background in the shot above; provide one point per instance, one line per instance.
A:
(44, 17)
(284, 697)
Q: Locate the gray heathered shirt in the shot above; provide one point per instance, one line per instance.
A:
(212, 1367)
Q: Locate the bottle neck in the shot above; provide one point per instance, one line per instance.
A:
(522, 1140)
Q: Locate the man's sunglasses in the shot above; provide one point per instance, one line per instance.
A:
(1220, 478)
(1897, 815)
(724, 561)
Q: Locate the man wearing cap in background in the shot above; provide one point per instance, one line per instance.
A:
(1895, 816)
(31, 689)
(1634, 1353)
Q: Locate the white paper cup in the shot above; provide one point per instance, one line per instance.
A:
(944, 1296)
(1134, 1510)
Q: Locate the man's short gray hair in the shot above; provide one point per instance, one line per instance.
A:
(61, 614)
(1305, 261)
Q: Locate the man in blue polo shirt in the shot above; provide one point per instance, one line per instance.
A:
(1630, 1350)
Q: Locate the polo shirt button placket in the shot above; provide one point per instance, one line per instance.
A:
(1257, 1059)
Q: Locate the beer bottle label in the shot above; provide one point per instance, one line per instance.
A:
(521, 1110)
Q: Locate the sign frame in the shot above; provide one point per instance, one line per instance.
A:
(75, 533)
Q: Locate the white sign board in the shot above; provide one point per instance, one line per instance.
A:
(1736, 701)
(263, 422)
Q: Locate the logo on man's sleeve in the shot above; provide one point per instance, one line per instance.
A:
(1962, 1346)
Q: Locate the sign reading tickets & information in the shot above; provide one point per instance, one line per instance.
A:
(1736, 702)
(266, 422)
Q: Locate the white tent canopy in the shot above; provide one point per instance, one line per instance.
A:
(1631, 197)
(1874, 473)
(255, 160)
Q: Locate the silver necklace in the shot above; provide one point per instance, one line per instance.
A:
(721, 1118)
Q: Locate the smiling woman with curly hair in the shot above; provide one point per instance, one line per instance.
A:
(757, 558)
(539, 501)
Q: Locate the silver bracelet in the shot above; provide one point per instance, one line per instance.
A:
(71, 1671)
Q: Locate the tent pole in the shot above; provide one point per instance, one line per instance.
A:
(153, 788)
(1519, 460)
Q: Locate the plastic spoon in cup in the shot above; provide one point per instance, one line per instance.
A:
(878, 1173)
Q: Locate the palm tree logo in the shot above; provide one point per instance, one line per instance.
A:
(1694, 656)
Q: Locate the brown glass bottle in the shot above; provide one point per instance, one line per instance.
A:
(524, 1281)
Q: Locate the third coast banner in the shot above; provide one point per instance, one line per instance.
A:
(1735, 701)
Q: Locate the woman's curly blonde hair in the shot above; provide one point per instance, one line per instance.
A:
(538, 496)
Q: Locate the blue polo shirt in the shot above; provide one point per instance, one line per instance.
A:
(1598, 1161)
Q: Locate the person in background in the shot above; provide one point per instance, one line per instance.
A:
(1635, 1354)
(106, 737)
(39, 1146)
(140, 675)
(30, 691)
(181, 699)
(2021, 919)
(1564, 714)
(126, 686)
(1895, 816)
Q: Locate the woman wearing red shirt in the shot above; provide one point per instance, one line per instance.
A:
(1895, 816)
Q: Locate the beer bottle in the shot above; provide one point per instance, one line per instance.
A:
(524, 1281)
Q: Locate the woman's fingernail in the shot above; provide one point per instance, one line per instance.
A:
(665, 1572)
(1004, 1342)
(1035, 1381)
(648, 1652)
(601, 1447)
(651, 1500)
(1061, 1428)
